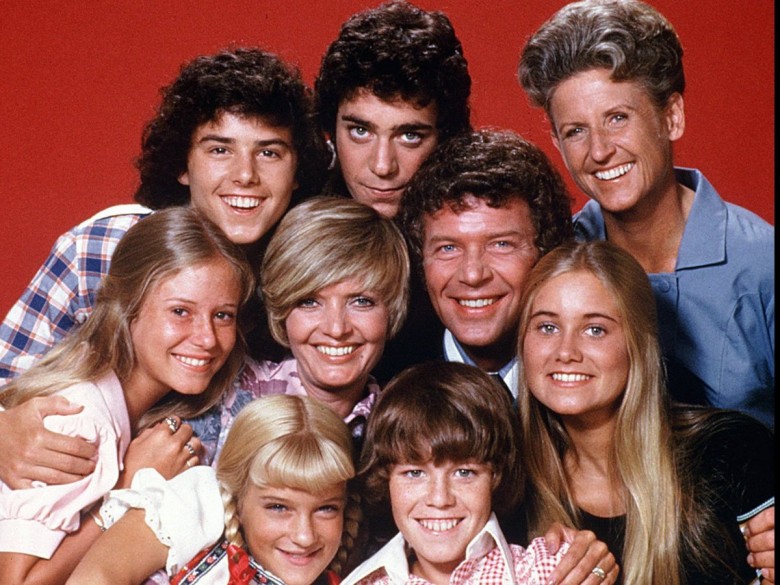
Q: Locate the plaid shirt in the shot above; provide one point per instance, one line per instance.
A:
(62, 292)
(490, 560)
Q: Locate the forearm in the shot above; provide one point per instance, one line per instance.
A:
(126, 554)
(25, 569)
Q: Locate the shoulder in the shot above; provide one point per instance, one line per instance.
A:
(742, 225)
(262, 378)
(588, 223)
(104, 413)
(704, 425)
(110, 225)
(535, 562)
(728, 451)
(116, 216)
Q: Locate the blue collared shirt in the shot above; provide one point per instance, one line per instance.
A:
(716, 311)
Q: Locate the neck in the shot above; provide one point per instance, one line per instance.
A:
(652, 231)
(342, 400)
(589, 468)
(140, 397)
(254, 251)
(491, 358)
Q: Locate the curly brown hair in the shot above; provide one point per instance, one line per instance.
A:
(397, 50)
(495, 166)
(241, 81)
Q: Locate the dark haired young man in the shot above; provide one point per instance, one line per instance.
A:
(391, 87)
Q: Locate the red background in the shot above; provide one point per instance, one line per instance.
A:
(79, 80)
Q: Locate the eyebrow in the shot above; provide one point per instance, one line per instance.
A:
(595, 315)
(495, 236)
(414, 127)
(227, 140)
(186, 301)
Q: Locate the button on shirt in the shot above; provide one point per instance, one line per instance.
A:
(716, 311)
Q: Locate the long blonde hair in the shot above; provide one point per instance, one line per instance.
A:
(154, 249)
(286, 441)
(642, 458)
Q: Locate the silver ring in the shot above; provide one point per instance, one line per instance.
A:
(189, 448)
(599, 572)
(172, 423)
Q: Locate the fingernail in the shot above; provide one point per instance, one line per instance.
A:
(750, 560)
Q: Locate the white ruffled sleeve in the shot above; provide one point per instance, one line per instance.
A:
(185, 513)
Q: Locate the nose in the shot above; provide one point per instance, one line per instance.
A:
(602, 146)
(474, 271)
(336, 323)
(244, 170)
(204, 334)
(568, 348)
(383, 162)
(439, 492)
(303, 530)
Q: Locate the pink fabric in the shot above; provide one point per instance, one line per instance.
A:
(34, 521)
(531, 566)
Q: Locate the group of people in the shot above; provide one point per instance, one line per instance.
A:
(345, 335)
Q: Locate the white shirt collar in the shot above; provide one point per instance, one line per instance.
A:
(393, 557)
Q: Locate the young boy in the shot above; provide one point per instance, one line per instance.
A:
(440, 450)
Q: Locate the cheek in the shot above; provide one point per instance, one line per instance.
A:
(533, 352)
(413, 159)
(481, 499)
(349, 157)
(376, 326)
(436, 273)
(227, 337)
(298, 326)
(331, 531)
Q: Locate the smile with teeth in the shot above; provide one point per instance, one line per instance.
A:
(561, 377)
(336, 351)
(197, 363)
(241, 202)
(614, 173)
(436, 525)
(476, 303)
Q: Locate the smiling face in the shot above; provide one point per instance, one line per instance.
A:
(293, 533)
(439, 509)
(380, 145)
(575, 351)
(185, 330)
(475, 263)
(615, 141)
(338, 335)
(241, 175)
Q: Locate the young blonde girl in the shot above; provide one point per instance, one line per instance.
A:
(272, 513)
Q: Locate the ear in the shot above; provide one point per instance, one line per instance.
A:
(674, 117)
(555, 141)
(184, 178)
